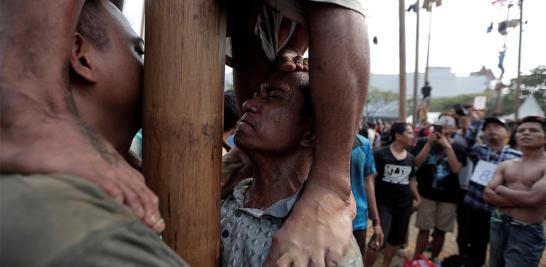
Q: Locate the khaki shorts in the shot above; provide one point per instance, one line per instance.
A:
(436, 214)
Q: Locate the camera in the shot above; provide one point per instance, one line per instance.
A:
(438, 128)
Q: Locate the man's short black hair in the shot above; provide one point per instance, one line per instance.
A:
(90, 24)
(231, 111)
(536, 119)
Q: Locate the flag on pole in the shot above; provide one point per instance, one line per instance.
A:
(427, 4)
(412, 7)
(490, 28)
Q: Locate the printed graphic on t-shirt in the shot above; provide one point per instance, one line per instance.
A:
(396, 174)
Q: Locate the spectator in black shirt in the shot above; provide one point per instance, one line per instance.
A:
(396, 191)
(439, 159)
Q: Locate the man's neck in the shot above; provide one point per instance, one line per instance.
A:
(277, 177)
(533, 153)
(496, 145)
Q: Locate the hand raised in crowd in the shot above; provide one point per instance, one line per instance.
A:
(442, 140)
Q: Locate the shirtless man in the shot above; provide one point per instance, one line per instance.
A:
(518, 190)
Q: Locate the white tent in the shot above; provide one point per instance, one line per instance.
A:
(530, 107)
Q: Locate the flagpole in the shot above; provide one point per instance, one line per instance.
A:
(428, 45)
(518, 84)
(402, 52)
(416, 72)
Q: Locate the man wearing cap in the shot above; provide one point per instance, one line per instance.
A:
(493, 151)
(439, 159)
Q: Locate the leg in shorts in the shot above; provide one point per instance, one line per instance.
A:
(436, 214)
(394, 223)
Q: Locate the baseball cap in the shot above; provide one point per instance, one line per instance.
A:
(495, 121)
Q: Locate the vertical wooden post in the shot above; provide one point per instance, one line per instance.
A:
(518, 81)
(428, 45)
(402, 50)
(416, 72)
(183, 87)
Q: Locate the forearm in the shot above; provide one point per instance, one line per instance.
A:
(521, 197)
(423, 154)
(35, 45)
(452, 160)
(339, 86)
(495, 199)
(370, 196)
(414, 190)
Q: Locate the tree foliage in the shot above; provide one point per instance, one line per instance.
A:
(377, 99)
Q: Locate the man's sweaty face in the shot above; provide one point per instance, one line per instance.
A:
(271, 121)
(530, 134)
(121, 66)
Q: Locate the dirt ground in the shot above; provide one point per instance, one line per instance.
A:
(450, 246)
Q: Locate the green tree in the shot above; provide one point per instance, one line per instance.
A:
(534, 83)
(377, 99)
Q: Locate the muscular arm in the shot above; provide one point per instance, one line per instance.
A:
(339, 70)
(490, 195)
(534, 197)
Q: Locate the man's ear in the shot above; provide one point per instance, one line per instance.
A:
(80, 59)
(308, 139)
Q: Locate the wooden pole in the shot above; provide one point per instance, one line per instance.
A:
(402, 50)
(518, 83)
(416, 72)
(428, 45)
(183, 87)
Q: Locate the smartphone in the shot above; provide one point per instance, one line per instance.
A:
(438, 128)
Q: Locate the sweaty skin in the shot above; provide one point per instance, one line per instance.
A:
(519, 186)
(319, 229)
(40, 129)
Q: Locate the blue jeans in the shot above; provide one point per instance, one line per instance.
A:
(514, 243)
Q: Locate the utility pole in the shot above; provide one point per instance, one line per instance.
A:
(183, 88)
(416, 72)
(402, 50)
(518, 84)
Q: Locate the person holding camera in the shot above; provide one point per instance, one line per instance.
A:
(439, 160)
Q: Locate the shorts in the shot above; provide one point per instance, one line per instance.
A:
(270, 18)
(395, 224)
(436, 214)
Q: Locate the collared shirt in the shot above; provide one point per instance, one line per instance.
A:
(246, 233)
(474, 197)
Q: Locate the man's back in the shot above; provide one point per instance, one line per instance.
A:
(59, 220)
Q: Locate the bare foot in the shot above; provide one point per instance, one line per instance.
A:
(290, 59)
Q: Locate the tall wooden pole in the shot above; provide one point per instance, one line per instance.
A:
(518, 83)
(183, 87)
(416, 72)
(402, 50)
(428, 45)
